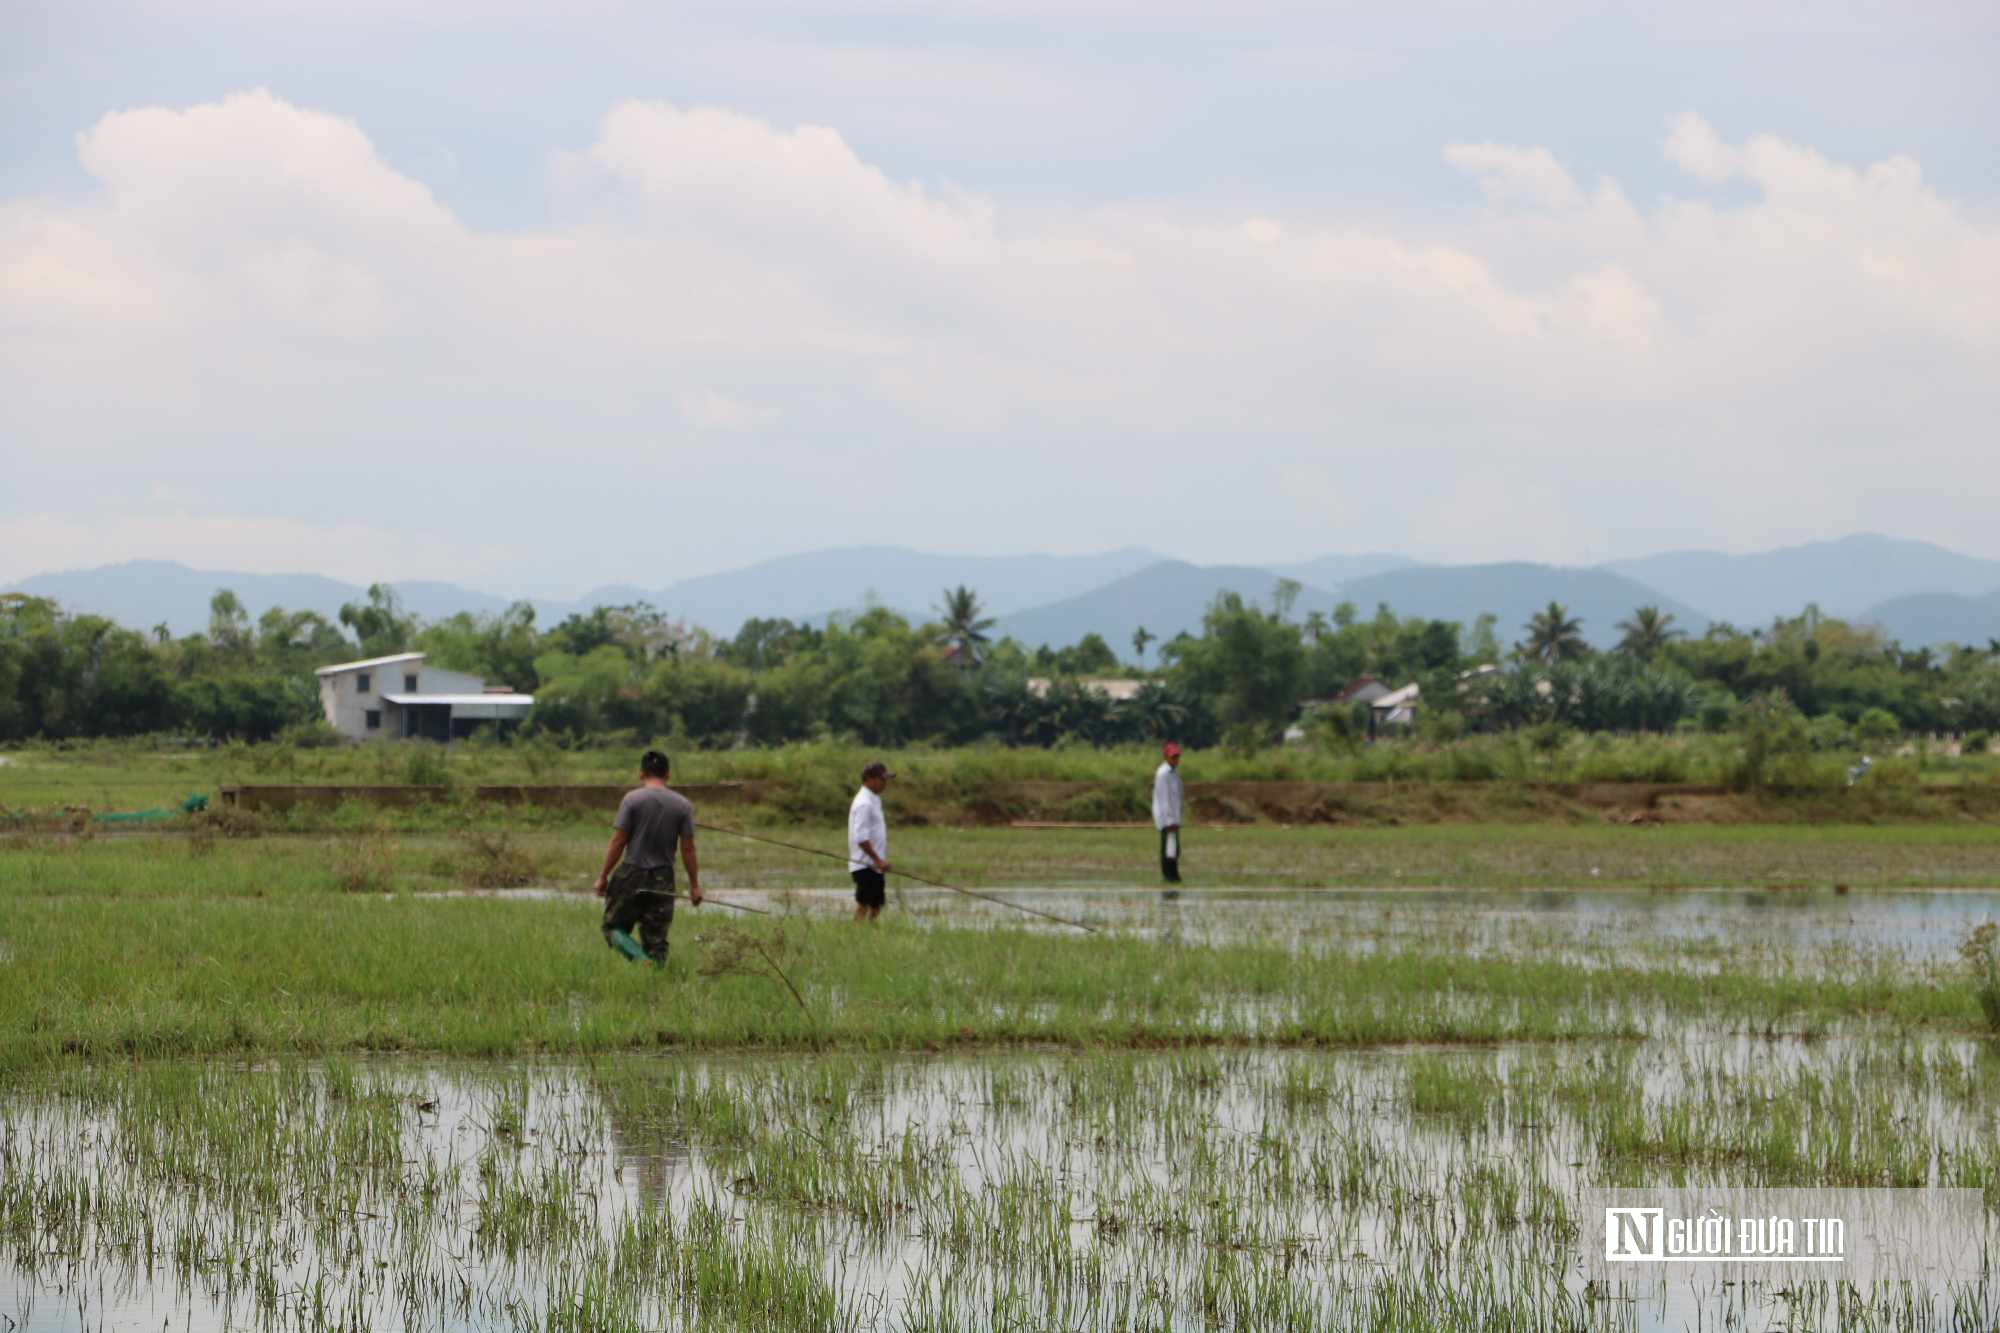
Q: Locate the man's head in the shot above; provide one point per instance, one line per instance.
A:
(653, 764)
(1171, 752)
(876, 776)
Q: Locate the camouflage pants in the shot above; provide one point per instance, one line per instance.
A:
(643, 898)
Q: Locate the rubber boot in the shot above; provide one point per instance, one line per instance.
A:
(623, 942)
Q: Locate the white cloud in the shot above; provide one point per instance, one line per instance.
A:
(256, 305)
(1509, 173)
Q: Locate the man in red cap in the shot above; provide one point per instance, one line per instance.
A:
(1167, 801)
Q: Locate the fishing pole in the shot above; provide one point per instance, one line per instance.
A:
(936, 884)
(705, 899)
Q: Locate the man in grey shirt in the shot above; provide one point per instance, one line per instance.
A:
(637, 882)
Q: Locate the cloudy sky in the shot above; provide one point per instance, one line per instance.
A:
(650, 290)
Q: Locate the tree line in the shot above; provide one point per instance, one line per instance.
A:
(1253, 670)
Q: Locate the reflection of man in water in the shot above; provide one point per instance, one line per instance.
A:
(1168, 798)
(654, 1149)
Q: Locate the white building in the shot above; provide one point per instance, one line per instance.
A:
(1117, 690)
(399, 697)
(1398, 708)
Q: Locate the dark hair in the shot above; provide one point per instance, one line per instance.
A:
(653, 764)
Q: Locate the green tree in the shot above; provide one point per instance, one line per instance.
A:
(1485, 641)
(298, 641)
(380, 624)
(961, 622)
(707, 699)
(229, 627)
(499, 648)
(1647, 633)
(1554, 636)
(766, 642)
(1249, 663)
(1140, 638)
(1777, 743)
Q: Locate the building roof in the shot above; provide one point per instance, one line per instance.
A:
(460, 700)
(1402, 698)
(1117, 689)
(1359, 687)
(366, 663)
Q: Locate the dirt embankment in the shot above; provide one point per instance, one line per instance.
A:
(1384, 803)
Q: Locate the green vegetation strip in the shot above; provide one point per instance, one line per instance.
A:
(372, 856)
(103, 977)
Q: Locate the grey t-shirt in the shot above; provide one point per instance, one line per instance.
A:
(655, 820)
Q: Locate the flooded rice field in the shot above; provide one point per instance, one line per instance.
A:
(1405, 1188)
(1166, 1184)
(1803, 927)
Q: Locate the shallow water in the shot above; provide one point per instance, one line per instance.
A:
(1914, 926)
(1093, 1191)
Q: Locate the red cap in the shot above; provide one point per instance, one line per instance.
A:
(1170, 748)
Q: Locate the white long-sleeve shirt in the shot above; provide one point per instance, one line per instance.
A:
(865, 823)
(1166, 796)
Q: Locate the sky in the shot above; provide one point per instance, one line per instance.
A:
(537, 297)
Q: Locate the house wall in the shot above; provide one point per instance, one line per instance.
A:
(346, 706)
(436, 680)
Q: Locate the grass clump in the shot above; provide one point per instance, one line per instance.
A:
(1980, 952)
(496, 859)
(365, 865)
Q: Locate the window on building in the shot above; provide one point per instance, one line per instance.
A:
(362, 682)
(409, 683)
(374, 716)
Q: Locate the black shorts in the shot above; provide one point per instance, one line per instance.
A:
(870, 888)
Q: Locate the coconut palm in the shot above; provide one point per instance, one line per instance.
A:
(961, 621)
(1555, 636)
(1140, 638)
(1648, 631)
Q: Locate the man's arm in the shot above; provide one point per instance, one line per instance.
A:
(868, 846)
(612, 855)
(693, 869)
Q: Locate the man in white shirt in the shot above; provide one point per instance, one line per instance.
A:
(1167, 801)
(868, 843)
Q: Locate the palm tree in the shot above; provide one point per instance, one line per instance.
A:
(1648, 631)
(963, 625)
(1554, 636)
(1140, 638)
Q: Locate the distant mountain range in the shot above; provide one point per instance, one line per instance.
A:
(1165, 598)
(1915, 592)
(1938, 617)
(1849, 578)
